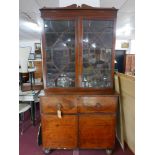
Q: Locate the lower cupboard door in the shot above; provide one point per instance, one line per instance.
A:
(96, 131)
(59, 132)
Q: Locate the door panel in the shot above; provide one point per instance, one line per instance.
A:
(59, 133)
(96, 131)
(97, 53)
(60, 53)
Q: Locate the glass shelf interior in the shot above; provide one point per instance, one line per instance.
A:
(60, 53)
(97, 53)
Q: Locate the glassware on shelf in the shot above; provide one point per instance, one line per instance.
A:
(97, 53)
(63, 81)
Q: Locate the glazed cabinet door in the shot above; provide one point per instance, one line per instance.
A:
(59, 133)
(96, 131)
(59, 53)
(97, 67)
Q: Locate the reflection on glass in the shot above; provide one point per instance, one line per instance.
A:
(60, 53)
(97, 53)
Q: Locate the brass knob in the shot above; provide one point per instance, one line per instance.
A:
(98, 105)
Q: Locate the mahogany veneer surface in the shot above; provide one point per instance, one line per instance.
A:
(86, 121)
(59, 133)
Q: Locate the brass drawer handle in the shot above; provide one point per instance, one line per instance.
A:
(98, 105)
(59, 113)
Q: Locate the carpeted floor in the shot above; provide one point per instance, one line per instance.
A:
(28, 143)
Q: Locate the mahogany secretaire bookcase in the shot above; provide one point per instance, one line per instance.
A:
(79, 106)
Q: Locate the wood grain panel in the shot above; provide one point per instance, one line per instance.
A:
(130, 64)
(97, 104)
(68, 104)
(59, 133)
(96, 131)
(38, 72)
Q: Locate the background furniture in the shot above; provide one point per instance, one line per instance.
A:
(125, 85)
(120, 57)
(32, 97)
(26, 67)
(23, 107)
(38, 73)
(35, 76)
(79, 106)
(130, 64)
(23, 58)
(23, 64)
(32, 80)
(32, 76)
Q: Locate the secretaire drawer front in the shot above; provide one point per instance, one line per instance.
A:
(51, 104)
(97, 104)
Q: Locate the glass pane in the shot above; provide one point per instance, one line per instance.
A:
(97, 53)
(60, 53)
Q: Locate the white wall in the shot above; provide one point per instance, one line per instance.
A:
(133, 49)
(129, 50)
(23, 58)
(94, 3)
(30, 43)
